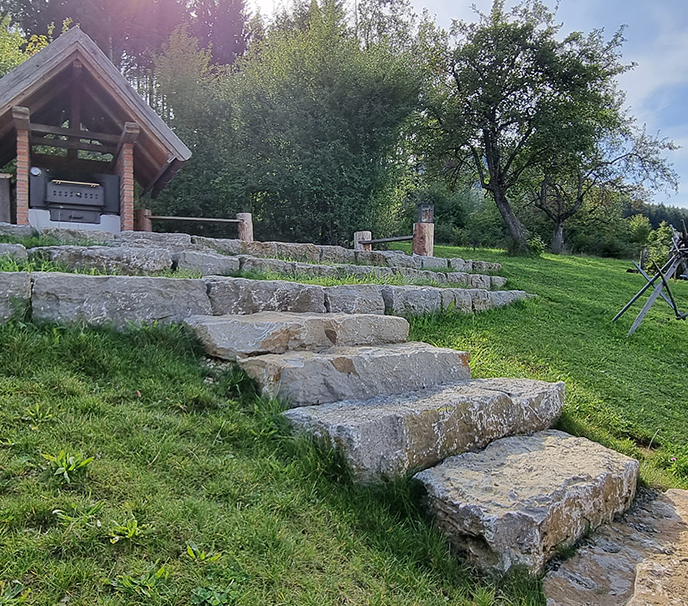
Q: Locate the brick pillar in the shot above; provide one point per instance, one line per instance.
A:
(125, 170)
(23, 167)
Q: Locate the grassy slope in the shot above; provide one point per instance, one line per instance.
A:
(193, 461)
(627, 392)
(179, 450)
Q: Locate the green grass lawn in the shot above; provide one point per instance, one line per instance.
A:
(197, 494)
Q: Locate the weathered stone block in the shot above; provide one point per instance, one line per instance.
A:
(127, 260)
(639, 560)
(278, 266)
(221, 245)
(370, 257)
(78, 236)
(497, 282)
(397, 258)
(206, 263)
(392, 435)
(318, 271)
(298, 252)
(260, 249)
(457, 299)
(13, 251)
(411, 300)
(232, 337)
(307, 378)
(336, 254)
(485, 266)
(433, 263)
(458, 278)
(15, 294)
(523, 497)
(500, 298)
(481, 300)
(238, 296)
(479, 281)
(116, 300)
(162, 239)
(461, 265)
(16, 231)
(355, 299)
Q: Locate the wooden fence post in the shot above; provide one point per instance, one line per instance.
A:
(423, 239)
(143, 219)
(245, 227)
(362, 236)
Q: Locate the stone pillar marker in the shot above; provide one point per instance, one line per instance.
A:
(423, 239)
(245, 227)
(23, 125)
(5, 202)
(360, 236)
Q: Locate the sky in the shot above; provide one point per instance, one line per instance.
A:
(656, 40)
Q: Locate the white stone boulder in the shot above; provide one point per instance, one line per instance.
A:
(117, 301)
(355, 299)
(125, 260)
(389, 436)
(233, 296)
(232, 337)
(205, 263)
(13, 251)
(523, 497)
(224, 246)
(15, 294)
(638, 560)
(411, 300)
(360, 373)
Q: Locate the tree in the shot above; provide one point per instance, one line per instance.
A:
(12, 46)
(221, 27)
(321, 118)
(622, 159)
(509, 94)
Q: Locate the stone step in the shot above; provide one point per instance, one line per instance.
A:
(523, 497)
(305, 378)
(639, 559)
(231, 337)
(390, 436)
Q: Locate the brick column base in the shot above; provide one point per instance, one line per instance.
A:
(23, 167)
(125, 170)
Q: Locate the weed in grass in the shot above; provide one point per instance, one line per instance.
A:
(80, 517)
(13, 592)
(150, 584)
(67, 467)
(198, 554)
(130, 531)
(37, 414)
(214, 595)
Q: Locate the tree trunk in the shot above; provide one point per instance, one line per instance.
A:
(558, 238)
(515, 227)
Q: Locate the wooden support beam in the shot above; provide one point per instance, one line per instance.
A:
(75, 102)
(159, 174)
(76, 134)
(73, 145)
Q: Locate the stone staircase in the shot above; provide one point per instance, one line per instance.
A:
(393, 408)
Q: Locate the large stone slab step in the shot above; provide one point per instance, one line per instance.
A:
(305, 378)
(516, 502)
(640, 559)
(390, 436)
(234, 336)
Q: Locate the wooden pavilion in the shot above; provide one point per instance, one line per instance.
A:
(81, 136)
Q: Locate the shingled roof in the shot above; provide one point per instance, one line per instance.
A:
(43, 84)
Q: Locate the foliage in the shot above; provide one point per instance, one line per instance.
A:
(68, 467)
(321, 117)
(13, 593)
(659, 242)
(147, 584)
(12, 46)
(214, 596)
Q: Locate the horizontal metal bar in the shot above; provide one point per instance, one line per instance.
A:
(381, 240)
(197, 219)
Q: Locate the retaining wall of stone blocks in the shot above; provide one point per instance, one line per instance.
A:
(120, 301)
